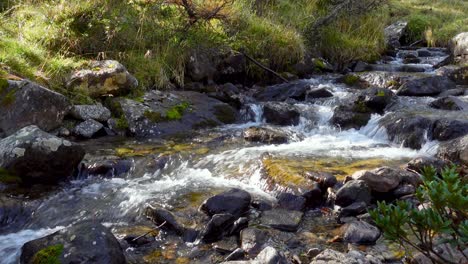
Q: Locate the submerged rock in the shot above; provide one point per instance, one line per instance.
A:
(428, 86)
(281, 114)
(26, 153)
(84, 242)
(235, 202)
(282, 219)
(26, 103)
(85, 112)
(103, 78)
(265, 135)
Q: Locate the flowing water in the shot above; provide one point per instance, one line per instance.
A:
(118, 201)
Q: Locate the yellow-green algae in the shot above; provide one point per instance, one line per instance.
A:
(48, 255)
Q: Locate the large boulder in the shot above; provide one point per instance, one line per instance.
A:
(376, 99)
(235, 202)
(449, 103)
(380, 180)
(103, 78)
(427, 86)
(38, 157)
(446, 129)
(455, 150)
(353, 191)
(407, 129)
(166, 113)
(24, 103)
(84, 242)
(84, 112)
(354, 116)
(459, 48)
(296, 90)
(458, 74)
(281, 114)
(394, 33)
(265, 135)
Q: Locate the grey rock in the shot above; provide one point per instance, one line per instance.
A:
(427, 86)
(330, 256)
(95, 242)
(419, 163)
(219, 226)
(382, 179)
(459, 48)
(376, 98)
(296, 90)
(362, 233)
(353, 191)
(319, 92)
(455, 150)
(237, 254)
(404, 189)
(282, 219)
(394, 33)
(85, 112)
(103, 78)
(161, 216)
(447, 129)
(265, 135)
(26, 103)
(253, 240)
(268, 255)
(281, 114)
(347, 117)
(457, 73)
(87, 129)
(449, 103)
(291, 201)
(25, 153)
(353, 209)
(407, 130)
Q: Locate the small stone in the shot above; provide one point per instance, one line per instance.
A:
(87, 129)
(361, 233)
(281, 219)
(353, 191)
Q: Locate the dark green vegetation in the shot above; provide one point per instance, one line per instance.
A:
(45, 40)
(48, 255)
(172, 114)
(443, 220)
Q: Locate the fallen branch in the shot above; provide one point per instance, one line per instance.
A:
(264, 67)
(145, 234)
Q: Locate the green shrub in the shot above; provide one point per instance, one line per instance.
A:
(444, 218)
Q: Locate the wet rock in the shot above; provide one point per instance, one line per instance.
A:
(95, 242)
(226, 246)
(296, 90)
(353, 209)
(394, 33)
(253, 240)
(376, 98)
(419, 163)
(138, 241)
(347, 117)
(103, 78)
(13, 211)
(282, 219)
(319, 92)
(219, 226)
(379, 79)
(161, 216)
(362, 233)
(427, 86)
(452, 92)
(446, 129)
(411, 60)
(382, 179)
(330, 256)
(168, 113)
(237, 254)
(265, 135)
(85, 112)
(459, 48)
(455, 150)
(445, 250)
(238, 225)
(88, 129)
(261, 205)
(449, 103)
(290, 201)
(268, 255)
(107, 168)
(281, 114)
(408, 130)
(458, 74)
(353, 191)
(324, 179)
(234, 201)
(25, 153)
(26, 103)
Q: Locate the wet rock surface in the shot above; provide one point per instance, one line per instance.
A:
(235, 202)
(282, 219)
(88, 129)
(265, 135)
(353, 191)
(428, 86)
(281, 114)
(360, 232)
(84, 112)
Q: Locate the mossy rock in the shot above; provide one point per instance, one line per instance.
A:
(7, 177)
(225, 114)
(351, 79)
(48, 255)
(207, 123)
(284, 178)
(154, 117)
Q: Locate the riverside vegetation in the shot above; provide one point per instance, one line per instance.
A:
(233, 131)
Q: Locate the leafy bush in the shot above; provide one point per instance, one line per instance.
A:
(442, 220)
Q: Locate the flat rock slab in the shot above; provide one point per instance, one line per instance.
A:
(282, 219)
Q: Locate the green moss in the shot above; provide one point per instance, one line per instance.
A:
(350, 79)
(380, 93)
(48, 255)
(177, 111)
(360, 107)
(122, 123)
(9, 98)
(319, 65)
(225, 114)
(3, 85)
(7, 177)
(392, 83)
(154, 117)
